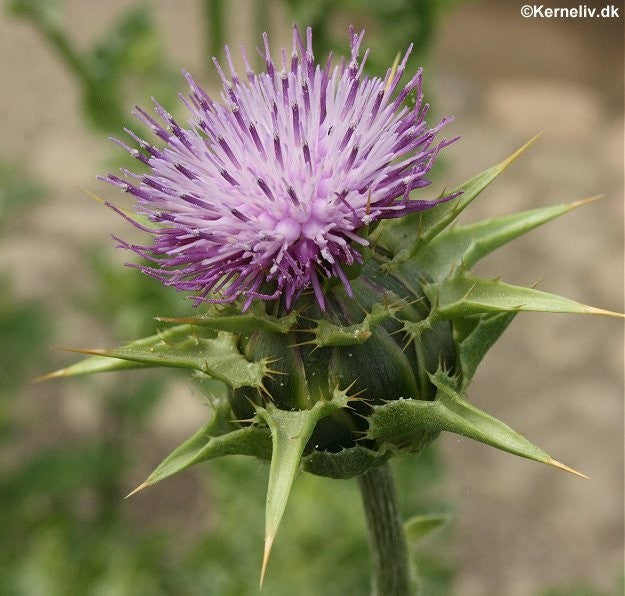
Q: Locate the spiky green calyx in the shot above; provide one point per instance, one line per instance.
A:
(358, 343)
(339, 392)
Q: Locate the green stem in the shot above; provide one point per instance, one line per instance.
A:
(214, 18)
(62, 44)
(387, 541)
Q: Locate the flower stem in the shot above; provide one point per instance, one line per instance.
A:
(387, 541)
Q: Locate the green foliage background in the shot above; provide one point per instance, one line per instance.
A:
(64, 526)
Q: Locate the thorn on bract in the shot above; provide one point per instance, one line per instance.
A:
(586, 201)
(591, 310)
(561, 466)
(266, 553)
(136, 490)
(88, 351)
(393, 72)
(506, 162)
(91, 195)
(57, 374)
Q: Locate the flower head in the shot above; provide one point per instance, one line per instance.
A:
(268, 193)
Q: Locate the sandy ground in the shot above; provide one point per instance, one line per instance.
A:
(556, 378)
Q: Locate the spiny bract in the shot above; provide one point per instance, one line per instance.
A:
(367, 335)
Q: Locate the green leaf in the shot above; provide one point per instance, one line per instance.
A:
(96, 364)
(466, 294)
(434, 221)
(347, 463)
(191, 347)
(398, 421)
(290, 431)
(91, 365)
(405, 237)
(230, 318)
(420, 526)
(474, 336)
(115, 51)
(44, 12)
(466, 245)
(217, 438)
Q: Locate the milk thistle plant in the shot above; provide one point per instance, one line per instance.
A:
(335, 299)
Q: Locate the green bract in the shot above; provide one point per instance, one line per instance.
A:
(339, 392)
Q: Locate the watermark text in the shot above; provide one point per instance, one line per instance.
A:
(581, 11)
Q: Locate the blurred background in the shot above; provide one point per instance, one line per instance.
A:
(71, 71)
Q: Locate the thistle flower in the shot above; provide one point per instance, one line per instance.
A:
(272, 191)
(280, 189)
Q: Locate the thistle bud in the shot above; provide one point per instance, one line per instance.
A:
(338, 302)
(359, 343)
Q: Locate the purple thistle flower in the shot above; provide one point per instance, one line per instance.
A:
(263, 196)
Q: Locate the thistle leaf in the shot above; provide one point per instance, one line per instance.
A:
(217, 357)
(217, 438)
(466, 294)
(398, 421)
(347, 463)
(466, 245)
(420, 526)
(434, 221)
(474, 336)
(290, 431)
(417, 230)
(89, 366)
(96, 364)
(230, 318)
